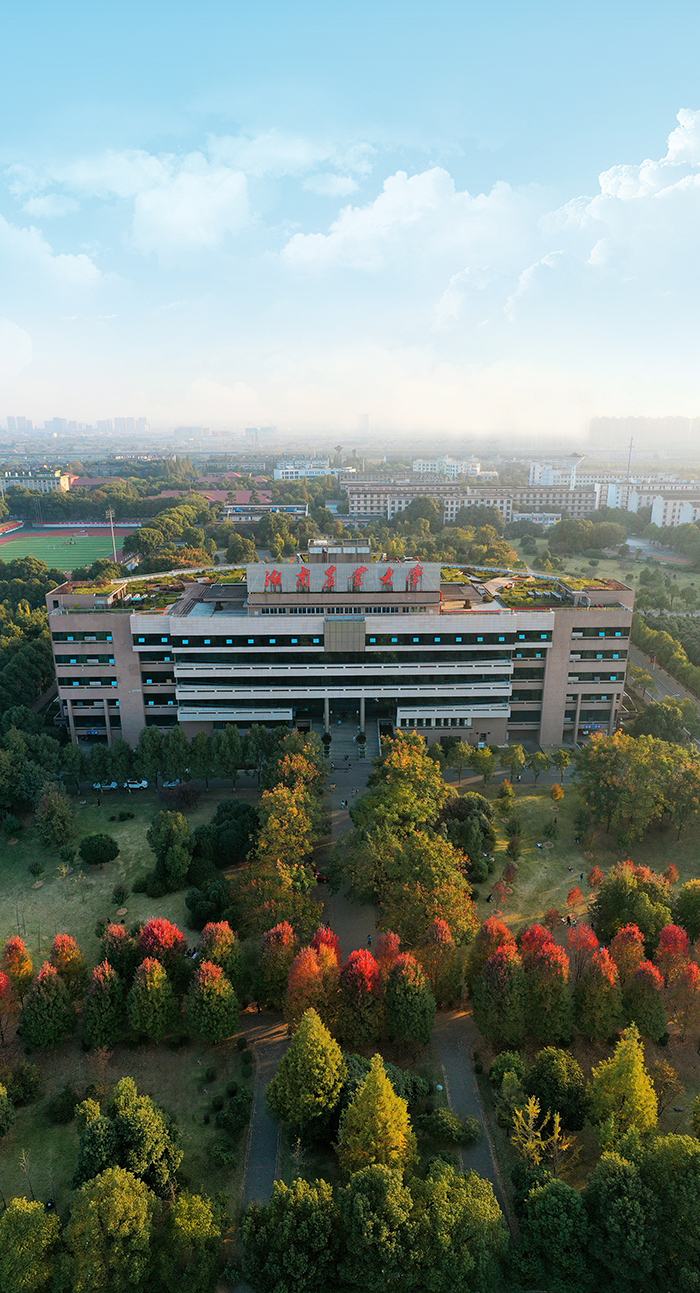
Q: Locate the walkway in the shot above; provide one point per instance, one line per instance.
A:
(268, 1035)
(353, 922)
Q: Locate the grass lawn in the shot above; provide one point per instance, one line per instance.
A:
(608, 567)
(53, 546)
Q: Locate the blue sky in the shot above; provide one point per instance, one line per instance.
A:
(453, 217)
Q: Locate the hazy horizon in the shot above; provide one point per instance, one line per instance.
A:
(463, 222)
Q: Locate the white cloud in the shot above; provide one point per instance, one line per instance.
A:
(27, 249)
(15, 349)
(194, 209)
(52, 204)
(327, 185)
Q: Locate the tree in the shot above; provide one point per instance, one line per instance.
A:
(687, 909)
(104, 1009)
(176, 753)
(149, 754)
(121, 760)
(202, 758)
(309, 1078)
(557, 1081)
(484, 763)
(669, 1169)
(557, 793)
(513, 758)
(190, 1248)
(438, 959)
(627, 951)
(359, 1021)
(672, 953)
(120, 950)
(379, 1234)
(499, 998)
(460, 1232)
(538, 762)
(219, 944)
(163, 940)
(554, 1237)
(293, 1243)
(170, 839)
(582, 944)
(133, 1133)
(642, 1001)
(108, 1237)
(684, 997)
(621, 1094)
(17, 965)
(408, 1002)
(491, 935)
(55, 819)
(151, 1003)
(597, 1000)
(620, 1211)
(667, 1084)
(73, 764)
(388, 948)
(70, 963)
(96, 850)
(548, 1007)
(631, 895)
(561, 760)
(460, 757)
(662, 719)
(541, 1142)
(211, 1010)
(48, 1016)
(313, 982)
(277, 954)
(595, 877)
(7, 1111)
(375, 1127)
(28, 1241)
(227, 752)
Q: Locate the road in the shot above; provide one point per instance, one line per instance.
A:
(665, 684)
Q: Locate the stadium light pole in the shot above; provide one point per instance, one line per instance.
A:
(110, 518)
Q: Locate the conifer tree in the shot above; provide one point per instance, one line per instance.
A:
(151, 1003)
(376, 1127)
(211, 1010)
(120, 948)
(621, 1094)
(307, 1085)
(313, 983)
(161, 939)
(359, 1018)
(597, 998)
(437, 957)
(277, 954)
(494, 933)
(219, 944)
(325, 936)
(672, 952)
(388, 948)
(409, 1004)
(48, 1016)
(642, 1001)
(684, 997)
(499, 998)
(70, 963)
(17, 965)
(104, 1009)
(549, 1009)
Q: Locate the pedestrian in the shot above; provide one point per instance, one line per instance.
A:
(258, 1007)
(490, 898)
(99, 802)
(581, 876)
(369, 940)
(568, 920)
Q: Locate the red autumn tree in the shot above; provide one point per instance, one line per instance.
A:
(121, 950)
(494, 933)
(437, 957)
(277, 954)
(313, 984)
(582, 945)
(684, 997)
(643, 1003)
(388, 948)
(359, 1020)
(575, 898)
(70, 963)
(499, 997)
(104, 1010)
(161, 939)
(672, 874)
(211, 1009)
(325, 936)
(408, 1002)
(595, 877)
(597, 997)
(673, 951)
(627, 951)
(500, 893)
(552, 919)
(548, 1008)
(532, 940)
(8, 1004)
(17, 964)
(219, 944)
(510, 872)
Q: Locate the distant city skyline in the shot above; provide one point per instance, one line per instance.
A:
(450, 219)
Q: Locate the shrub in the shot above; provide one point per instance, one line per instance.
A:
(120, 893)
(11, 824)
(506, 1062)
(231, 1088)
(223, 1153)
(246, 1072)
(445, 1126)
(247, 1057)
(210, 1074)
(140, 885)
(241, 1043)
(217, 1103)
(236, 1117)
(61, 1109)
(36, 867)
(23, 1083)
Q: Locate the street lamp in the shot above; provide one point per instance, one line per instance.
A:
(110, 518)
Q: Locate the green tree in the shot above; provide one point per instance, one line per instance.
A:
(104, 1008)
(96, 850)
(687, 909)
(108, 1238)
(70, 963)
(538, 762)
(375, 1127)
(292, 1244)
(461, 1237)
(149, 754)
(378, 1231)
(202, 759)
(219, 944)
(560, 759)
(557, 1081)
(631, 895)
(408, 1002)
(622, 1217)
(7, 1111)
(121, 760)
(227, 752)
(170, 839)
(176, 753)
(133, 1134)
(48, 1016)
(669, 1168)
(73, 764)
(309, 1078)
(643, 1003)
(189, 1253)
(55, 819)
(597, 998)
(211, 1009)
(554, 1237)
(499, 998)
(28, 1242)
(513, 758)
(621, 1094)
(151, 1004)
(460, 757)
(484, 764)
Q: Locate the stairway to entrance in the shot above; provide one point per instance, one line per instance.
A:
(343, 741)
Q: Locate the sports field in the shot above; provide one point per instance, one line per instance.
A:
(63, 548)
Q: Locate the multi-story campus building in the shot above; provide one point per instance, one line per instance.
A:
(367, 499)
(307, 643)
(44, 482)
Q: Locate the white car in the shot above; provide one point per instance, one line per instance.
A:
(135, 785)
(105, 785)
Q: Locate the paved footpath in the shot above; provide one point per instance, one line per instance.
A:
(268, 1035)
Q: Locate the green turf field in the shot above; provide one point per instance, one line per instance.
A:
(54, 549)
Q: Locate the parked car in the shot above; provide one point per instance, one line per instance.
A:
(136, 785)
(105, 785)
(168, 785)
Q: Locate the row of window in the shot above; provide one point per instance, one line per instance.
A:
(81, 637)
(85, 659)
(466, 639)
(347, 680)
(475, 703)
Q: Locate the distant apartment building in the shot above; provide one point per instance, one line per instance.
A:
(367, 500)
(304, 644)
(538, 518)
(449, 467)
(43, 482)
(20, 424)
(302, 468)
(673, 509)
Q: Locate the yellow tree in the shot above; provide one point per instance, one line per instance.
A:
(621, 1094)
(376, 1127)
(542, 1142)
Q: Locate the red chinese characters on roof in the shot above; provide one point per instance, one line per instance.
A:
(356, 577)
(415, 575)
(273, 581)
(387, 579)
(329, 585)
(303, 579)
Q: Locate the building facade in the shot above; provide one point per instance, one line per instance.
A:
(305, 644)
(43, 482)
(369, 499)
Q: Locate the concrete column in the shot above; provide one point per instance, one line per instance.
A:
(107, 722)
(362, 713)
(577, 718)
(71, 722)
(326, 714)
